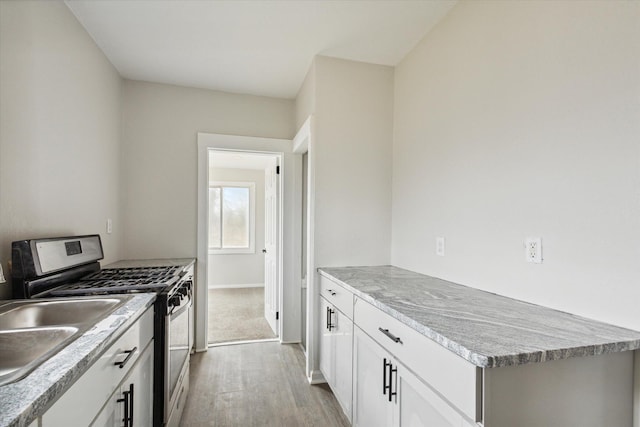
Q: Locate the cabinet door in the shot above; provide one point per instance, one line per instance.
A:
(371, 405)
(133, 399)
(326, 341)
(111, 414)
(141, 377)
(342, 344)
(419, 406)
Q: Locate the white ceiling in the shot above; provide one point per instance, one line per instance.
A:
(259, 47)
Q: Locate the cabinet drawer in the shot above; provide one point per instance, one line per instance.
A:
(86, 396)
(337, 295)
(457, 380)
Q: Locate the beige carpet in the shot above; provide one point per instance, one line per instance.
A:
(237, 315)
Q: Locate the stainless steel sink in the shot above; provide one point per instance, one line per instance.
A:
(23, 349)
(30, 314)
(31, 331)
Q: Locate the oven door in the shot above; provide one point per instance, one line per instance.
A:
(177, 349)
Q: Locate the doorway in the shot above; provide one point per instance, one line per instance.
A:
(288, 252)
(242, 246)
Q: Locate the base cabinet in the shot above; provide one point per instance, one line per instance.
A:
(371, 405)
(386, 393)
(126, 366)
(132, 404)
(336, 346)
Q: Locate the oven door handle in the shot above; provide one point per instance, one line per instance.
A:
(182, 308)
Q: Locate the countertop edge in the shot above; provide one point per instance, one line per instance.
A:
(483, 360)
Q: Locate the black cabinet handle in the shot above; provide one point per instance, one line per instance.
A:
(390, 335)
(331, 312)
(332, 292)
(326, 323)
(127, 399)
(385, 386)
(130, 353)
(392, 370)
(131, 405)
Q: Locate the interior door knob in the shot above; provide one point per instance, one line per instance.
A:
(264, 251)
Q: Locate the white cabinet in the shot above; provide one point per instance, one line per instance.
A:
(133, 400)
(129, 360)
(423, 384)
(335, 353)
(336, 341)
(386, 393)
(371, 405)
(432, 363)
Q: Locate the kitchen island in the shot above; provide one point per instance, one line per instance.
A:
(486, 358)
(25, 400)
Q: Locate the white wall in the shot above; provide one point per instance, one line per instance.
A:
(160, 157)
(305, 103)
(350, 160)
(517, 119)
(59, 130)
(352, 155)
(241, 269)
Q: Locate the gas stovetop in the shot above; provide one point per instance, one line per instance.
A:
(69, 266)
(121, 280)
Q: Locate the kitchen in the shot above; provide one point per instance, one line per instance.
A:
(507, 120)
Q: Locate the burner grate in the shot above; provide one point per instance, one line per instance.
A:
(134, 279)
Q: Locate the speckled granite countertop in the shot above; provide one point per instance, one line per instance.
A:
(23, 401)
(486, 329)
(160, 262)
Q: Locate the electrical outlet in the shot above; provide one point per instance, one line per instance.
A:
(109, 226)
(533, 249)
(440, 246)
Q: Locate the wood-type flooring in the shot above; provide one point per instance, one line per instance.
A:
(257, 384)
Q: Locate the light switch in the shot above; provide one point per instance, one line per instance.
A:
(440, 246)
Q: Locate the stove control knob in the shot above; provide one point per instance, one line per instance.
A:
(174, 301)
(183, 291)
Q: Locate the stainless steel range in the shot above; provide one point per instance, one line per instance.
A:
(68, 266)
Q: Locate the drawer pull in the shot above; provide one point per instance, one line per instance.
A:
(332, 292)
(390, 335)
(130, 353)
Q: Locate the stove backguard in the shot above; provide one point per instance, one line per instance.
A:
(41, 264)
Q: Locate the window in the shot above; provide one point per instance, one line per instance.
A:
(231, 217)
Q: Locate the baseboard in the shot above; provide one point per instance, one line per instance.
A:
(304, 350)
(290, 342)
(240, 285)
(316, 378)
(222, 344)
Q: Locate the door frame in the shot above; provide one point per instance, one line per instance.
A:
(303, 143)
(289, 218)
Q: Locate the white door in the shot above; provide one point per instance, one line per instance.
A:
(271, 189)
